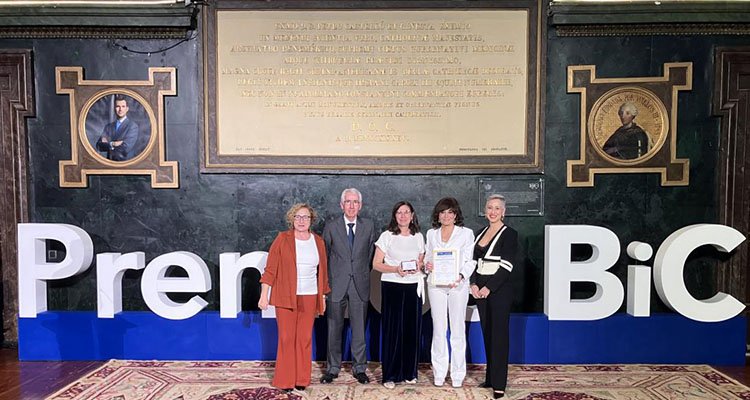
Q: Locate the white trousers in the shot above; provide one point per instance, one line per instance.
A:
(449, 305)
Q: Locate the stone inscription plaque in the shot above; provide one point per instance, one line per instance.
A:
(524, 196)
(416, 87)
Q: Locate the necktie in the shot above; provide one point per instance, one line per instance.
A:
(351, 234)
(117, 125)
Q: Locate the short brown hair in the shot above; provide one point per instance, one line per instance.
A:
(447, 203)
(293, 210)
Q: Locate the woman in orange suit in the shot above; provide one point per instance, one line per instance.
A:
(297, 271)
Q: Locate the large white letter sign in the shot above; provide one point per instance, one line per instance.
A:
(155, 284)
(639, 280)
(34, 270)
(231, 266)
(560, 271)
(110, 267)
(670, 263)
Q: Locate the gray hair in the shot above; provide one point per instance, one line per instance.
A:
(629, 105)
(495, 196)
(351, 190)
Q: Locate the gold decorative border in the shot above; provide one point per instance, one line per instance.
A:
(673, 171)
(150, 93)
(530, 162)
(651, 29)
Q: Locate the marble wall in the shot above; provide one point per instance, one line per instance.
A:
(214, 213)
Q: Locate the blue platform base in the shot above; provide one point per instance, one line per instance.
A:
(661, 338)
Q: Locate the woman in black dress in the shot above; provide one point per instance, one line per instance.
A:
(495, 251)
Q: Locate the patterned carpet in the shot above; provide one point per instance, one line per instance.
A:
(243, 380)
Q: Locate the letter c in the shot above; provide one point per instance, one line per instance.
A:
(670, 264)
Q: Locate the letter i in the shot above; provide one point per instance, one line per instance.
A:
(639, 280)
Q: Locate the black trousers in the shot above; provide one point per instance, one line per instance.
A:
(402, 325)
(494, 317)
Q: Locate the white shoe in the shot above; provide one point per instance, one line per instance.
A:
(439, 382)
(411, 381)
(389, 385)
(457, 384)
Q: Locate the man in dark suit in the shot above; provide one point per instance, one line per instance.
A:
(349, 243)
(119, 136)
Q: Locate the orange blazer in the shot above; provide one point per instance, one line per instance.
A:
(281, 272)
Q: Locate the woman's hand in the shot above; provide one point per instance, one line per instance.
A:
(484, 292)
(474, 290)
(400, 271)
(263, 303)
(428, 267)
(458, 281)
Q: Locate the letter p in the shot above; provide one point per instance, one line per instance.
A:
(34, 270)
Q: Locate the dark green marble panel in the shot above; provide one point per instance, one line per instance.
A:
(214, 213)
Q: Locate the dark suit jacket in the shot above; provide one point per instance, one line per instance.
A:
(505, 252)
(281, 272)
(345, 263)
(128, 133)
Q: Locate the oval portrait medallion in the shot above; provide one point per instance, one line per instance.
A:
(118, 127)
(628, 125)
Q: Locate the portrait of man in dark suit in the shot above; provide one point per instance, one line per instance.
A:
(349, 241)
(119, 137)
(629, 141)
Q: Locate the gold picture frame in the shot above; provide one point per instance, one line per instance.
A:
(411, 112)
(137, 145)
(629, 125)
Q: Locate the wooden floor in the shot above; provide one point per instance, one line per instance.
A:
(33, 380)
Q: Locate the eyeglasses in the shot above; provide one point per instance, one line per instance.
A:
(347, 202)
(403, 212)
(301, 217)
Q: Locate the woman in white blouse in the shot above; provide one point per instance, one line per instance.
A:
(448, 300)
(399, 254)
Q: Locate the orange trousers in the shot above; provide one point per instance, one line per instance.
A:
(294, 352)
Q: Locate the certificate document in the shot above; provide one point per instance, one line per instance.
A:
(444, 266)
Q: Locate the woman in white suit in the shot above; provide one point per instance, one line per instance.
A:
(448, 300)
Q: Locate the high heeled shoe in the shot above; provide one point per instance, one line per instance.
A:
(498, 394)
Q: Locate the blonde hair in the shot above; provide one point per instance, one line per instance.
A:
(293, 210)
(499, 197)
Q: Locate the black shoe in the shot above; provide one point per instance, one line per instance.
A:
(287, 390)
(300, 388)
(497, 394)
(362, 377)
(328, 377)
(485, 385)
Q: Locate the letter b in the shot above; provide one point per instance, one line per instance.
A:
(560, 271)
